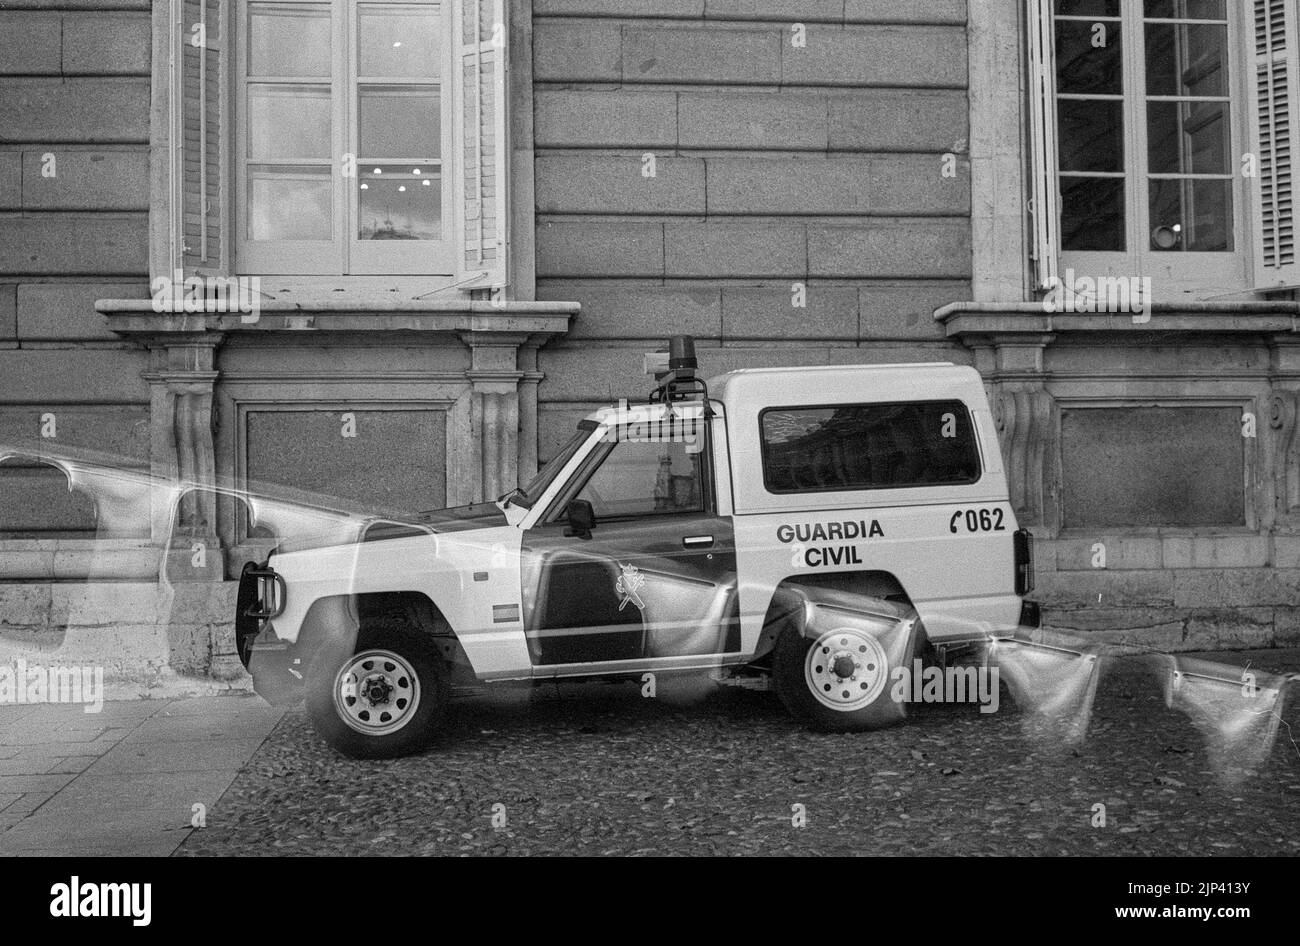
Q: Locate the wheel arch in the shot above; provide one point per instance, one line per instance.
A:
(796, 596)
(339, 617)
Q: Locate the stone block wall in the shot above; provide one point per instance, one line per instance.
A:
(696, 159)
(74, 207)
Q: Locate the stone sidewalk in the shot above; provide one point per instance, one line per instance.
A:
(122, 781)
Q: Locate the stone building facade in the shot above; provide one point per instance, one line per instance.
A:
(790, 181)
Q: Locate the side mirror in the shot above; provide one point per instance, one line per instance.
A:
(582, 518)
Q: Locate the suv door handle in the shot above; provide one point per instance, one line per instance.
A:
(697, 541)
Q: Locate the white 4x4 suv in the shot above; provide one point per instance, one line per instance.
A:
(812, 527)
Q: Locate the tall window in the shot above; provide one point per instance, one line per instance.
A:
(343, 125)
(1149, 129)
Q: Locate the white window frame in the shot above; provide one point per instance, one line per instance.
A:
(1174, 274)
(345, 256)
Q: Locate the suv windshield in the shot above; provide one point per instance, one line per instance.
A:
(537, 485)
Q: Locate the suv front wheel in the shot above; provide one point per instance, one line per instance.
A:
(383, 698)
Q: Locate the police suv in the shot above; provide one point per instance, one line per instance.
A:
(803, 529)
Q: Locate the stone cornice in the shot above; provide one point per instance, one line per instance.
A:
(1004, 319)
(134, 318)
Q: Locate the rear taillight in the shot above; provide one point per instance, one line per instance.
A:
(1024, 558)
(262, 593)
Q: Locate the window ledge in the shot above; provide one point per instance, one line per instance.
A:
(134, 317)
(969, 318)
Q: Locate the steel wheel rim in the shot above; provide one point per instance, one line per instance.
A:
(846, 669)
(376, 692)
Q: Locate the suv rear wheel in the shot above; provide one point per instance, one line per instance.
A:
(836, 680)
(383, 698)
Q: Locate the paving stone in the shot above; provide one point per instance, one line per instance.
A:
(28, 766)
(255, 722)
(28, 802)
(72, 764)
(170, 757)
(141, 791)
(129, 832)
(10, 784)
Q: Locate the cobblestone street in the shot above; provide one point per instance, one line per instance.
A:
(597, 769)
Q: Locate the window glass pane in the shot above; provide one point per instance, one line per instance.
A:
(1188, 137)
(1088, 57)
(400, 123)
(1091, 135)
(1191, 215)
(399, 202)
(289, 203)
(641, 478)
(868, 446)
(288, 40)
(1186, 59)
(1087, 7)
(394, 42)
(288, 122)
(1092, 213)
(1186, 9)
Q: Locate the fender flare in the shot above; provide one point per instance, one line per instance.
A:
(814, 610)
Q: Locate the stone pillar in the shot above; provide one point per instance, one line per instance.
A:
(1024, 412)
(494, 411)
(182, 377)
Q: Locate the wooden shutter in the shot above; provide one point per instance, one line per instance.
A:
(1275, 129)
(200, 219)
(480, 123)
(1045, 191)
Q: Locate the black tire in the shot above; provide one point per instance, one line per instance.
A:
(789, 663)
(391, 651)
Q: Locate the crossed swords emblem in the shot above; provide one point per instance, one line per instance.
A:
(629, 586)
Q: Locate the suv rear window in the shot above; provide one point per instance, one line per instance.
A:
(868, 446)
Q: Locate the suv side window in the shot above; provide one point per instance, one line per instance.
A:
(868, 446)
(641, 470)
(644, 479)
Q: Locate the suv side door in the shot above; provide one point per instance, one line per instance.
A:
(655, 578)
